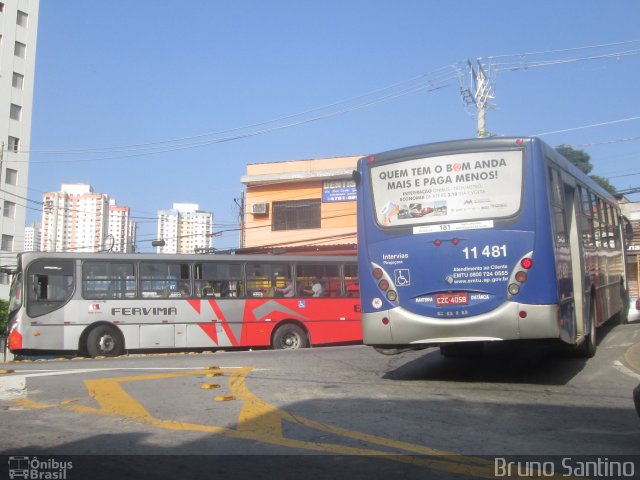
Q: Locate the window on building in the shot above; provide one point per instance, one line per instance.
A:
(14, 144)
(9, 210)
(15, 112)
(20, 50)
(296, 215)
(18, 80)
(7, 243)
(11, 176)
(22, 19)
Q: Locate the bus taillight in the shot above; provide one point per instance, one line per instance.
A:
(377, 273)
(526, 263)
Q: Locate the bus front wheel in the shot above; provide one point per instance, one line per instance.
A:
(289, 337)
(104, 341)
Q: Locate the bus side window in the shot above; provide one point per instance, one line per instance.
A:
(52, 283)
(351, 281)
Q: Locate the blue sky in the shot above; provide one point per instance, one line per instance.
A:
(156, 102)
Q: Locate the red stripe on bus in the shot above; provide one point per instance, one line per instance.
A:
(195, 304)
(210, 330)
(225, 325)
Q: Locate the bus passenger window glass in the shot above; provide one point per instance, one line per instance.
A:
(616, 239)
(218, 279)
(449, 188)
(557, 207)
(613, 227)
(15, 295)
(606, 225)
(267, 279)
(50, 284)
(586, 226)
(318, 280)
(164, 280)
(351, 281)
(597, 221)
(104, 280)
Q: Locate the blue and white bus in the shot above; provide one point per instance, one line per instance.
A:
(482, 240)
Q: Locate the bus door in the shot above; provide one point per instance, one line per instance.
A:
(573, 301)
(568, 255)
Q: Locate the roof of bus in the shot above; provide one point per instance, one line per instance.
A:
(28, 256)
(489, 143)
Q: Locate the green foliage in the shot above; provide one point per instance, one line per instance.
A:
(582, 160)
(604, 183)
(4, 311)
(579, 158)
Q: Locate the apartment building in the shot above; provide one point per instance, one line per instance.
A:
(77, 219)
(185, 229)
(18, 34)
(122, 229)
(300, 206)
(33, 237)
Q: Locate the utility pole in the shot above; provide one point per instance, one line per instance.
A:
(479, 95)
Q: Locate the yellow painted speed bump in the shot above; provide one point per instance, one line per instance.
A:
(8, 370)
(224, 398)
(213, 367)
(217, 374)
(209, 386)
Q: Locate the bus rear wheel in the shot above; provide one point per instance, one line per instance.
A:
(289, 337)
(104, 341)
(587, 348)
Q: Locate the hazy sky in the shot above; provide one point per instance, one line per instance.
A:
(156, 102)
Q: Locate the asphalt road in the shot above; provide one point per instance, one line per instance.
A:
(324, 409)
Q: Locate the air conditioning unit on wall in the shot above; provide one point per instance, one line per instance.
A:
(260, 208)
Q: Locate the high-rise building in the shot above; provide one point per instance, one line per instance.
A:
(76, 219)
(122, 230)
(18, 33)
(185, 229)
(33, 237)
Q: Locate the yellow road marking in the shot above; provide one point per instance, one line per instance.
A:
(261, 421)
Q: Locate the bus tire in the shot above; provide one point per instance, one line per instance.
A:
(289, 337)
(623, 314)
(587, 348)
(104, 341)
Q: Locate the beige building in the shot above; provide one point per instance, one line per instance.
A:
(300, 206)
(18, 35)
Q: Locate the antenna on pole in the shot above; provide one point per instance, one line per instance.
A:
(478, 95)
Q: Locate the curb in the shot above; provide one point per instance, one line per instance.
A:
(632, 357)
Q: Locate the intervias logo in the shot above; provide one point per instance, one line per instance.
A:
(38, 469)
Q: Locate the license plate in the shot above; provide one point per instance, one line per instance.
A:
(448, 299)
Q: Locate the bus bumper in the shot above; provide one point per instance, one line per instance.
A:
(511, 321)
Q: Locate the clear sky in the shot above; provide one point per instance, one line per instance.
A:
(156, 102)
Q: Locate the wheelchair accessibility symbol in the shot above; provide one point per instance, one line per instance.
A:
(402, 277)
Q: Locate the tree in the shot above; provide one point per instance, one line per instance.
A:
(582, 160)
(4, 310)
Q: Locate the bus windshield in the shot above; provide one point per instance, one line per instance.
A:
(449, 188)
